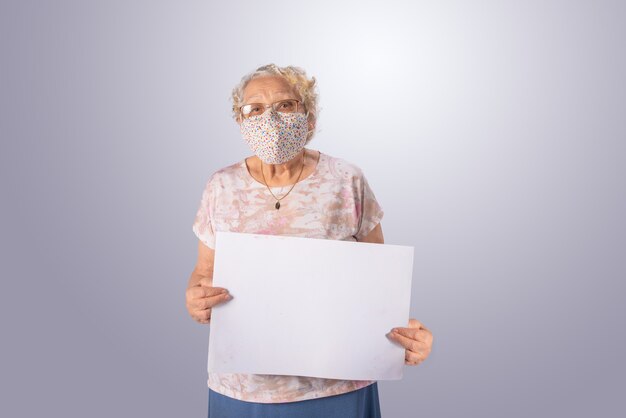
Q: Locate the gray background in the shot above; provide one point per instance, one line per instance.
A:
(492, 133)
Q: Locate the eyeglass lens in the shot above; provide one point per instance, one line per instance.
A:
(283, 106)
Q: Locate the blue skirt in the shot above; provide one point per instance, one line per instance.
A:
(361, 403)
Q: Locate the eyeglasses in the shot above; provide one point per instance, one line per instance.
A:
(282, 106)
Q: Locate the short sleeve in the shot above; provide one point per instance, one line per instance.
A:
(203, 225)
(369, 211)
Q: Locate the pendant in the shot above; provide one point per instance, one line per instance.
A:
(277, 205)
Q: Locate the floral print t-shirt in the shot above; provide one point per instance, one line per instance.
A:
(333, 202)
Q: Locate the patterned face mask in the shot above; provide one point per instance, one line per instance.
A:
(275, 137)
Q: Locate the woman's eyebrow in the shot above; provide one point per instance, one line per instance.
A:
(259, 95)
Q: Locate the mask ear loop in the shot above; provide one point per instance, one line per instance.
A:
(307, 119)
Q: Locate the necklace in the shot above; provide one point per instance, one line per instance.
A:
(277, 205)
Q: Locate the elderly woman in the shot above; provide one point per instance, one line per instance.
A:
(287, 189)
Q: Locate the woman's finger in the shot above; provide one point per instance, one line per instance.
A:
(411, 333)
(203, 316)
(408, 343)
(210, 301)
(212, 291)
(413, 359)
(414, 323)
(416, 334)
(423, 335)
(196, 292)
(216, 300)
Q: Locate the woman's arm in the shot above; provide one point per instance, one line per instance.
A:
(375, 235)
(201, 296)
(204, 265)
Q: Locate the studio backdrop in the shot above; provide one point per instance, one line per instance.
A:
(491, 132)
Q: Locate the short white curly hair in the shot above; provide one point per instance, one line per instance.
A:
(296, 77)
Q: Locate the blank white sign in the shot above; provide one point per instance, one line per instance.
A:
(309, 307)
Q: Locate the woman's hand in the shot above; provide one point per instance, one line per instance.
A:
(202, 297)
(416, 339)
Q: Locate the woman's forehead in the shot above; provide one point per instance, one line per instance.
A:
(267, 87)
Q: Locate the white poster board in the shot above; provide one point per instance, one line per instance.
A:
(309, 307)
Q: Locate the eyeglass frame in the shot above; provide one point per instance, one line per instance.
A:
(266, 106)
